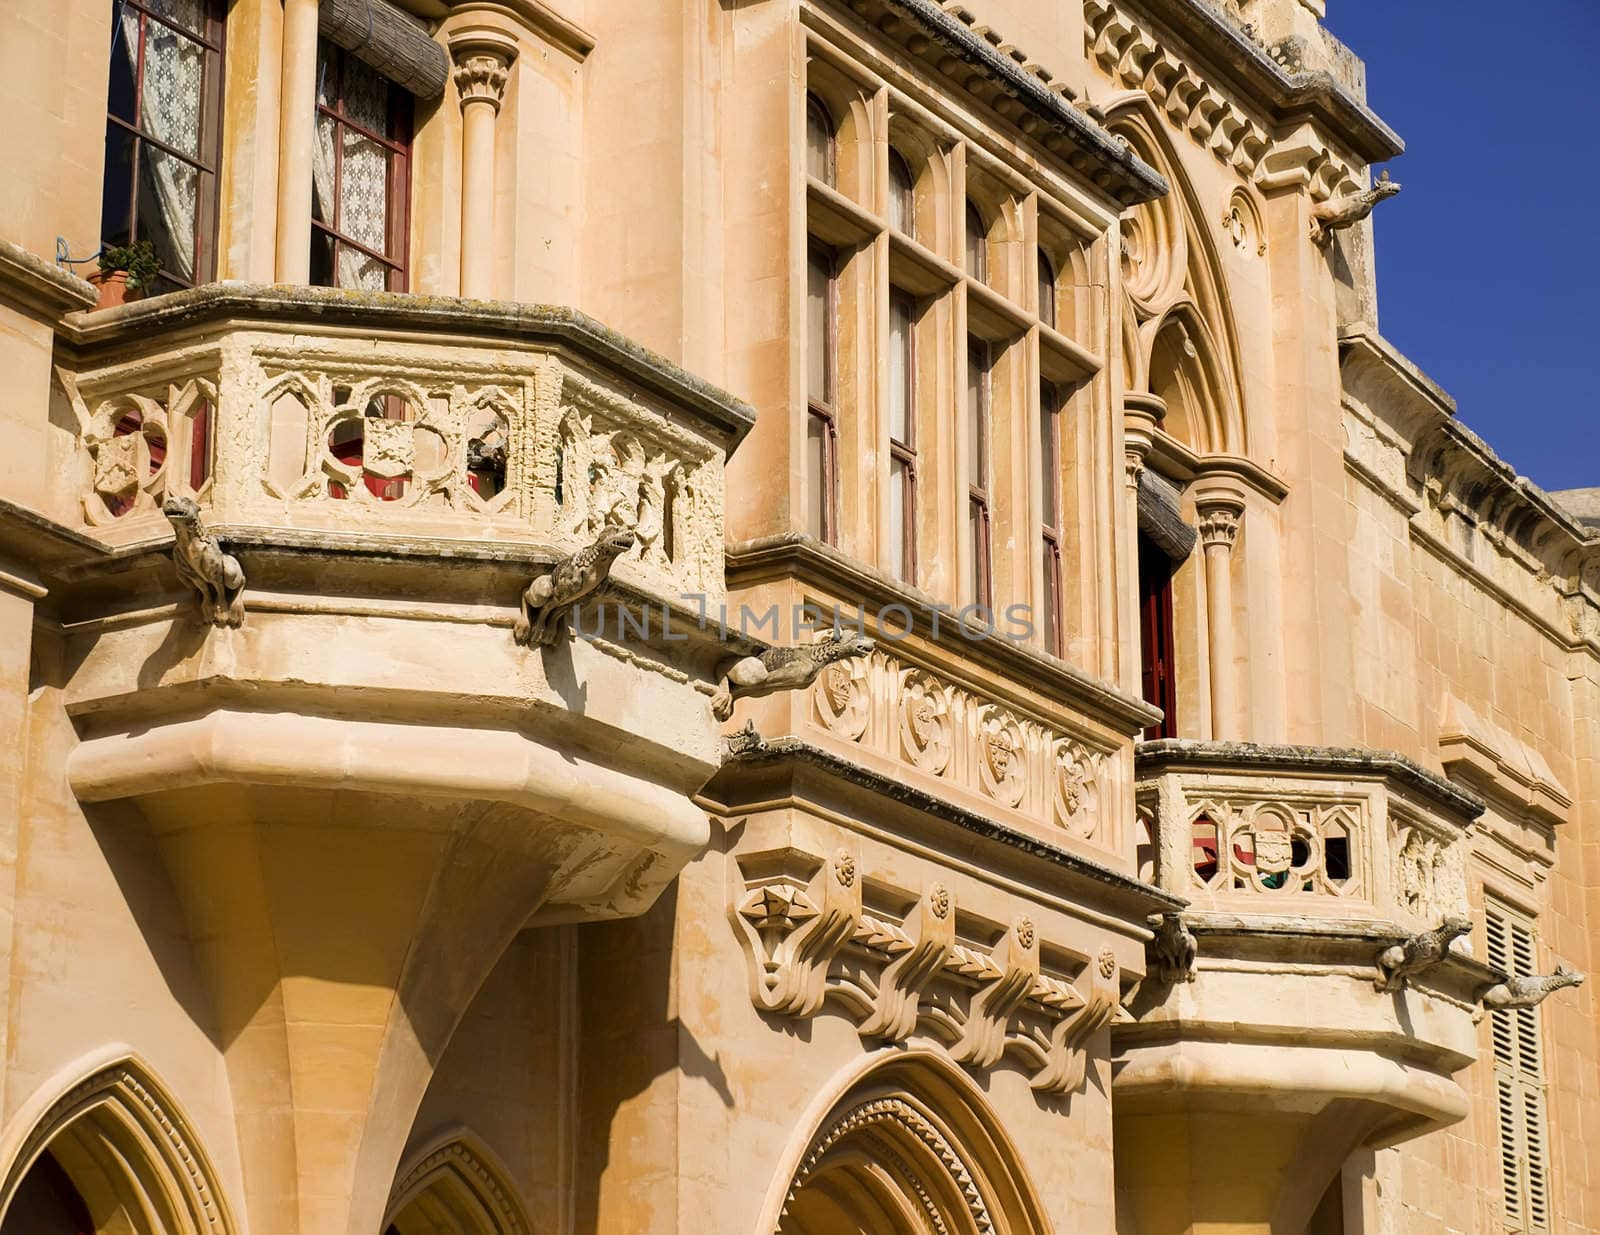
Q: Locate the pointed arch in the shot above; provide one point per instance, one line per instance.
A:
(129, 1152)
(911, 1147)
(1184, 368)
(454, 1186)
(1171, 261)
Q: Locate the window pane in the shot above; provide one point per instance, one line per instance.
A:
(1047, 291)
(1052, 588)
(322, 171)
(1049, 470)
(364, 192)
(819, 140)
(902, 195)
(819, 311)
(189, 14)
(170, 95)
(121, 97)
(978, 526)
(116, 201)
(366, 96)
(169, 195)
(900, 370)
(977, 416)
(816, 474)
(977, 244)
(898, 487)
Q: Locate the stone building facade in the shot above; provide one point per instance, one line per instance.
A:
(763, 616)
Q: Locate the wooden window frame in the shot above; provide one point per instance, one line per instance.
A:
(207, 162)
(905, 451)
(980, 357)
(827, 412)
(1050, 532)
(397, 214)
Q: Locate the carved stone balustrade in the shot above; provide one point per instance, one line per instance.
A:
(396, 418)
(1300, 830)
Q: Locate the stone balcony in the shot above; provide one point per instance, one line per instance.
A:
(1300, 865)
(361, 793)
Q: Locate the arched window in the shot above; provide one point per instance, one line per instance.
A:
(977, 243)
(1047, 291)
(902, 195)
(821, 152)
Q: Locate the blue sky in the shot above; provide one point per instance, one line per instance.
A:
(1489, 260)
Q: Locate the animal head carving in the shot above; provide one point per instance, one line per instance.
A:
(1384, 188)
(1454, 925)
(844, 647)
(182, 510)
(615, 541)
(1566, 975)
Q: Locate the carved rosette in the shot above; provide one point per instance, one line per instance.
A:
(1077, 787)
(1002, 757)
(843, 697)
(925, 726)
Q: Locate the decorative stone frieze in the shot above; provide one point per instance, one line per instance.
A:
(1016, 761)
(809, 937)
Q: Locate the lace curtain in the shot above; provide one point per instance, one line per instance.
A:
(170, 96)
(361, 168)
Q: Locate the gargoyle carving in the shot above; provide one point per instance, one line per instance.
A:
(1068, 1056)
(792, 668)
(904, 979)
(796, 933)
(1527, 992)
(549, 597)
(1173, 949)
(1400, 961)
(216, 577)
(745, 742)
(1007, 981)
(1347, 211)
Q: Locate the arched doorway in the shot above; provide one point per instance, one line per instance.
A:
(454, 1187)
(112, 1156)
(911, 1149)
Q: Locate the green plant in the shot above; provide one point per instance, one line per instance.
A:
(139, 259)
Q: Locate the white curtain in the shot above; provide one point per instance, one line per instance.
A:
(170, 111)
(363, 206)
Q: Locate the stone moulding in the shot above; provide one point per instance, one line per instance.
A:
(28, 281)
(934, 35)
(810, 936)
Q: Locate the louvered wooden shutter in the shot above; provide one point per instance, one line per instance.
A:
(1518, 1081)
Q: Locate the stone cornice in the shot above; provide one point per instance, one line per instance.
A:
(28, 281)
(1286, 760)
(1286, 96)
(728, 418)
(1452, 466)
(947, 45)
(804, 557)
(791, 752)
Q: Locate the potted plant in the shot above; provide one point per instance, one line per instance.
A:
(126, 272)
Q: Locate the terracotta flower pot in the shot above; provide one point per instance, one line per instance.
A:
(114, 289)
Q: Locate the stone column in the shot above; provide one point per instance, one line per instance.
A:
(297, 126)
(1219, 510)
(482, 57)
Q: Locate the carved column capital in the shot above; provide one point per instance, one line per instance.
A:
(482, 58)
(1142, 415)
(1219, 526)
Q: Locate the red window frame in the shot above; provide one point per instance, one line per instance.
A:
(1157, 642)
(397, 141)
